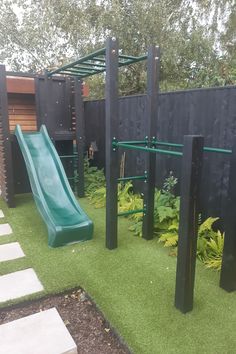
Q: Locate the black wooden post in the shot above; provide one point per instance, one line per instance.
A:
(112, 165)
(228, 269)
(49, 106)
(188, 224)
(40, 115)
(153, 72)
(80, 135)
(6, 171)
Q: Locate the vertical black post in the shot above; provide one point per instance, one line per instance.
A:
(49, 116)
(188, 224)
(153, 72)
(40, 113)
(6, 171)
(112, 165)
(80, 135)
(228, 269)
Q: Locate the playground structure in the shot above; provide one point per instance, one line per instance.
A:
(190, 182)
(60, 98)
(191, 164)
(65, 220)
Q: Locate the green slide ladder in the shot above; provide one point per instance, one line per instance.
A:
(65, 219)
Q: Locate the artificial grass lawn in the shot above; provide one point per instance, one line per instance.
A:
(133, 285)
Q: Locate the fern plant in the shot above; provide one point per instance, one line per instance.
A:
(209, 246)
(215, 251)
(205, 233)
(166, 215)
(94, 178)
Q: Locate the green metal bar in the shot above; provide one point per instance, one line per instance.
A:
(131, 142)
(131, 178)
(142, 148)
(82, 75)
(102, 60)
(83, 66)
(95, 73)
(69, 156)
(130, 212)
(123, 56)
(223, 151)
(138, 59)
(81, 60)
(126, 62)
(74, 74)
(163, 143)
(76, 69)
(94, 63)
(82, 71)
(206, 148)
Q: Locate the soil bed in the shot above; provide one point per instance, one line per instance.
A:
(89, 329)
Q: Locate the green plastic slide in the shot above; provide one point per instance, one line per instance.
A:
(65, 220)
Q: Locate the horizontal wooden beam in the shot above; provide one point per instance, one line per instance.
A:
(20, 85)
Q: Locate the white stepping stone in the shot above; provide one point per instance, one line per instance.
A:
(5, 229)
(17, 284)
(1, 214)
(41, 333)
(10, 251)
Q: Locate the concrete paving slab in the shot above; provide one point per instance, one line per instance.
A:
(10, 251)
(17, 284)
(5, 229)
(1, 214)
(41, 333)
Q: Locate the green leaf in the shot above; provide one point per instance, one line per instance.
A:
(165, 213)
(169, 239)
(206, 226)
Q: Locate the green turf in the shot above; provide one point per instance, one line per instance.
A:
(133, 285)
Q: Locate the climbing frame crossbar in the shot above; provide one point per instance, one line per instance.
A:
(94, 63)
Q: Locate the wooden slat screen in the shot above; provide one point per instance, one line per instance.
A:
(21, 110)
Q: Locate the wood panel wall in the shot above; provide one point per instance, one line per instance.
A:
(22, 110)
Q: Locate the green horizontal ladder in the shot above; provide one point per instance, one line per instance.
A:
(94, 63)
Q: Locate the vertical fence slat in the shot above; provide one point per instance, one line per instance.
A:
(228, 270)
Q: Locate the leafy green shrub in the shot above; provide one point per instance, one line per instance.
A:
(166, 215)
(205, 233)
(166, 209)
(209, 246)
(95, 184)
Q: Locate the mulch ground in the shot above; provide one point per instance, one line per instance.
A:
(89, 329)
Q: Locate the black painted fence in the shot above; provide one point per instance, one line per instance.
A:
(209, 112)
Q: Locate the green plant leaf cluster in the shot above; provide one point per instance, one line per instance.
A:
(209, 246)
(166, 215)
(95, 184)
